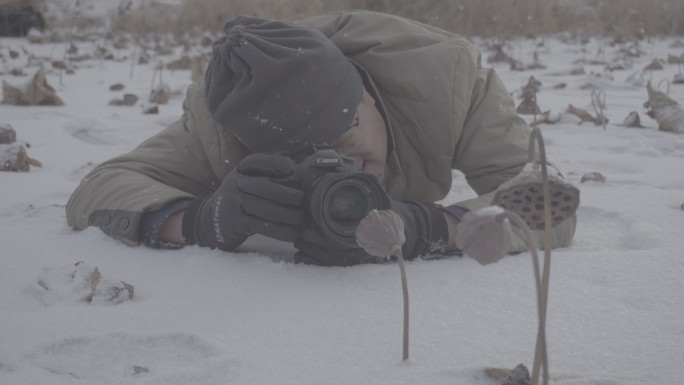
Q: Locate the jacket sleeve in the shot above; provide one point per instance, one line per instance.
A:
(493, 148)
(170, 166)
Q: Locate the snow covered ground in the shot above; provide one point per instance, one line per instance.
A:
(616, 314)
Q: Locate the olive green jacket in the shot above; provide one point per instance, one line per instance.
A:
(445, 112)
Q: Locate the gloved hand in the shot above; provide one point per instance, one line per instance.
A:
(425, 229)
(253, 198)
(314, 248)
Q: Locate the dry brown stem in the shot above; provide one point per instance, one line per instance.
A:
(404, 290)
(381, 234)
(580, 113)
(598, 102)
(540, 355)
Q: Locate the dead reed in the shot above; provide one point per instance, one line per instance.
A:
(468, 17)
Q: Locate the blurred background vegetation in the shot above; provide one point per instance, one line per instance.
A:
(637, 18)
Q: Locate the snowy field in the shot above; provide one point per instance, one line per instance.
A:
(616, 307)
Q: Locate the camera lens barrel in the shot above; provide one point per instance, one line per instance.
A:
(339, 201)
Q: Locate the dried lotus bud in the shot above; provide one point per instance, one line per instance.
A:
(484, 235)
(381, 233)
(666, 111)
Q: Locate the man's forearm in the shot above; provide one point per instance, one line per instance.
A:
(163, 228)
(452, 225)
(171, 229)
(453, 216)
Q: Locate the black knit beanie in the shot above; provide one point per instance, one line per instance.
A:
(279, 87)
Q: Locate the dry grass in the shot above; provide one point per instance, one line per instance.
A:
(194, 15)
(22, 3)
(534, 17)
(468, 17)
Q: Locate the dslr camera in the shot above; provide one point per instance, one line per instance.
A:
(338, 196)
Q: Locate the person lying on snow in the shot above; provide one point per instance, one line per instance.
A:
(403, 102)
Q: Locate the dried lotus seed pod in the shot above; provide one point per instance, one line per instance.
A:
(524, 196)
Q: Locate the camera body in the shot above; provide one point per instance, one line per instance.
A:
(338, 196)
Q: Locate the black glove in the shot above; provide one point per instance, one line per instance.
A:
(254, 198)
(314, 248)
(425, 229)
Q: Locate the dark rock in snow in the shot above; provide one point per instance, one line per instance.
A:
(519, 376)
(130, 99)
(632, 120)
(140, 369)
(7, 134)
(150, 110)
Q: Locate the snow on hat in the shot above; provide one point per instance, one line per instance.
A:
(279, 87)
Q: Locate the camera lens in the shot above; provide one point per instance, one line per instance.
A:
(348, 205)
(341, 201)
